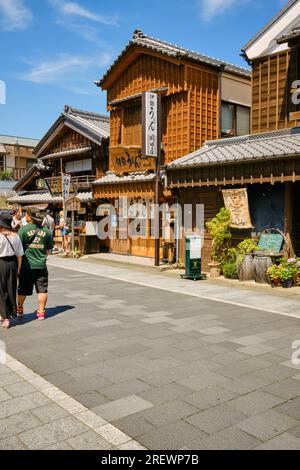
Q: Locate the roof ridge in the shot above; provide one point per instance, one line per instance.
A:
(69, 110)
(18, 137)
(138, 34)
(253, 137)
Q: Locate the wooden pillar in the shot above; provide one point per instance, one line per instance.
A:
(288, 216)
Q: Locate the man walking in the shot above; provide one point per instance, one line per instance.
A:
(49, 222)
(37, 244)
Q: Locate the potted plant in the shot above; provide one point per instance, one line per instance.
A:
(286, 277)
(245, 262)
(219, 228)
(274, 275)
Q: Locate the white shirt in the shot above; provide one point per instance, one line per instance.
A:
(24, 221)
(6, 249)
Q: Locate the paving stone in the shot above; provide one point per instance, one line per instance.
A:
(91, 399)
(14, 424)
(165, 393)
(228, 439)
(255, 402)
(169, 412)
(60, 446)
(245, 367)
(217, 418)
(283, 442)
(118, 409)
(203, 380)
(49, 413)
(89, 441)
(288, 389)
(90, 419)
(113, 435)
(256, 350)
(275, 373)
(12, 443)
(52, 433)
(290, 408)
(213, 330)
(230, 357)
(4, 395)
(209, 397)
(130, 387)
(173, 437)
(20, 404)
(267, 425)
(10, 378)
(133, 425)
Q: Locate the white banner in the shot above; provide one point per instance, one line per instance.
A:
(66, 184)
(150, 120)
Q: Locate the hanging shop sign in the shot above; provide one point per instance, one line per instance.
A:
(150, 124)
(236, 201)
(73, 204)
(128, 160)
(59, 185)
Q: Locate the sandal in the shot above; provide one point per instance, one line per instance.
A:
(6, 324)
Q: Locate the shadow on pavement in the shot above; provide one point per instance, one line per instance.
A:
(50, 313)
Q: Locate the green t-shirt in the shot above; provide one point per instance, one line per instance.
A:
(36, 242)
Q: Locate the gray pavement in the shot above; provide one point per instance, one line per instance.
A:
(169, 365)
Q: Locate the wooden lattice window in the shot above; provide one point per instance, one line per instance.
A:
(132, 125)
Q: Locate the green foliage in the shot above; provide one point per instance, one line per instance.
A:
(286, 270)
(247, 247)
(230, 270)
(219, 228)
(5, 175)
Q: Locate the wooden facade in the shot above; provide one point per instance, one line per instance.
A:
(273, 76)
(190, 104)
(190, 90)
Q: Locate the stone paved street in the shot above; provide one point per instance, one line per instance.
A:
(165, 367)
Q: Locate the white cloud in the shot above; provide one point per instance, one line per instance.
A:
(14, 15)
(73, 9)
(75, 73)
(211, 8)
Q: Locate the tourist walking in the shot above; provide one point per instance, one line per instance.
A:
(37, 244)
(64, 231)
(11, 252)
(49, 222)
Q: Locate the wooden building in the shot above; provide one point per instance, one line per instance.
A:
(266, 163)
(77, 145)
(16, 155)
(196, 91)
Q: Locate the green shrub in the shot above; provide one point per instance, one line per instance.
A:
(219, 228)
(230, 270)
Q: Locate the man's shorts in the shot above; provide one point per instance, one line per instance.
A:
(30, 278)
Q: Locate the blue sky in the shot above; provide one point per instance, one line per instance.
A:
(51, 51)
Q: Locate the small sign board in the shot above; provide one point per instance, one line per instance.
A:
(150, 113)
(73, 204)
(271, 242)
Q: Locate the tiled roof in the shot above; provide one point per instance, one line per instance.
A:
(112, 178)
(66, 153)
(172, 50)
(290, 35)
(97, 123)
(14, 140)
(269, 145)
(46, 198)
(94, 126)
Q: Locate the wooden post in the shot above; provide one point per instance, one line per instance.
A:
(157, 186)
(288, 216)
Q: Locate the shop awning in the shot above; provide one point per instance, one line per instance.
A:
(66, 153)
(46, 198)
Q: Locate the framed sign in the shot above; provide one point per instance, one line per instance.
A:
(151, 128)
(127, 160)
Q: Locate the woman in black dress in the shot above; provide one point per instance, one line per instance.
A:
(11, 252)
